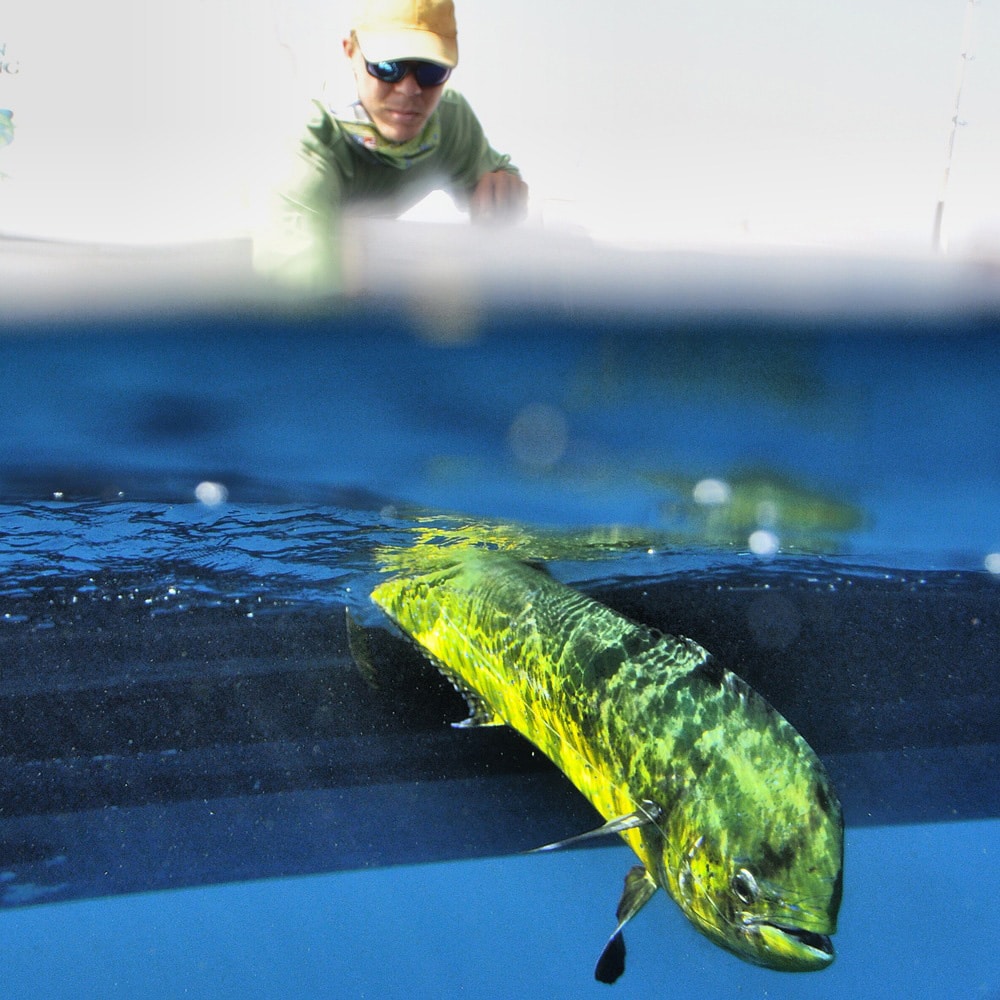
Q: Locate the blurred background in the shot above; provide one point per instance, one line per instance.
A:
(669, 124)
(734, 350)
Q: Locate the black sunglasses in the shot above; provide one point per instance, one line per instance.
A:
(427, 74)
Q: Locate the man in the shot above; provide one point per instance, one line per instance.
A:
(404, 136)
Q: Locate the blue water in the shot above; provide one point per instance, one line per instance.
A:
(917, 921)
(900, 425)
(330, 436)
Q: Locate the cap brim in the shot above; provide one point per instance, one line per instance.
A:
(385, 46)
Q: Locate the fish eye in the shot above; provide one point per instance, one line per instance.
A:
(744, 885)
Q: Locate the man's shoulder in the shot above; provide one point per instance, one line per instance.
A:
(308, 121)
(317, 119)
(453, 104)
(321, 122)
(459, 125)
(320, 132)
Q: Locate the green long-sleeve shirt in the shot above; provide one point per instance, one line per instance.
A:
(342, 161)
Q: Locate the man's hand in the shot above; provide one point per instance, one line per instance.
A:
(499, 197)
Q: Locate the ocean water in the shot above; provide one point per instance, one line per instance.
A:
(203, 794)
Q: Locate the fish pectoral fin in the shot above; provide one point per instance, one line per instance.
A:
(639, 889)
(647, 813)
(357, 645)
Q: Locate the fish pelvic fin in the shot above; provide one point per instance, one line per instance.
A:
(611, 964)
(639, 890)
(647, 813)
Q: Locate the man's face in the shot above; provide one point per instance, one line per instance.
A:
(399, 110)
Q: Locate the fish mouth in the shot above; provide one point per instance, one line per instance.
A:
(794, 948)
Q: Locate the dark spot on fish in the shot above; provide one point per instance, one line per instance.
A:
(602, 665)
(711, 671)
(822, 796)
(638, 641)
(697, 762)
(773, 861)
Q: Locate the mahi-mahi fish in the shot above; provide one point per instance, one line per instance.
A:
(726, 806)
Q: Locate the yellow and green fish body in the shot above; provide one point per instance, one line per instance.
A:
(725, 805)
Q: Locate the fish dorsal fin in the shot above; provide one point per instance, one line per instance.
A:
(539, 566)
(647, 813)
(639, 889)
(480, 714)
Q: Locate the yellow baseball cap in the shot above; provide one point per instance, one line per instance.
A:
(408, 29)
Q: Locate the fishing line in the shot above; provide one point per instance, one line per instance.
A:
(964, 57)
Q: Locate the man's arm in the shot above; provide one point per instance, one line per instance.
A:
(296, 245)
(490, 183)
(499, 196)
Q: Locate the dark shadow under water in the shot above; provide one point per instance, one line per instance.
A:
(218, 728)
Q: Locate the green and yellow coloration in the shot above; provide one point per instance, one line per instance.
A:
(725, 804)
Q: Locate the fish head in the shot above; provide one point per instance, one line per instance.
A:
(752, 849)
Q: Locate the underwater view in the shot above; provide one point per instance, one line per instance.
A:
(226, 772)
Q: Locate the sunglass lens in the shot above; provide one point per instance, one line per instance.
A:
(430, 74)
(427, 74)
(387, 72)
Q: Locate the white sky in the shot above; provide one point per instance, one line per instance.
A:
(669, 123)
